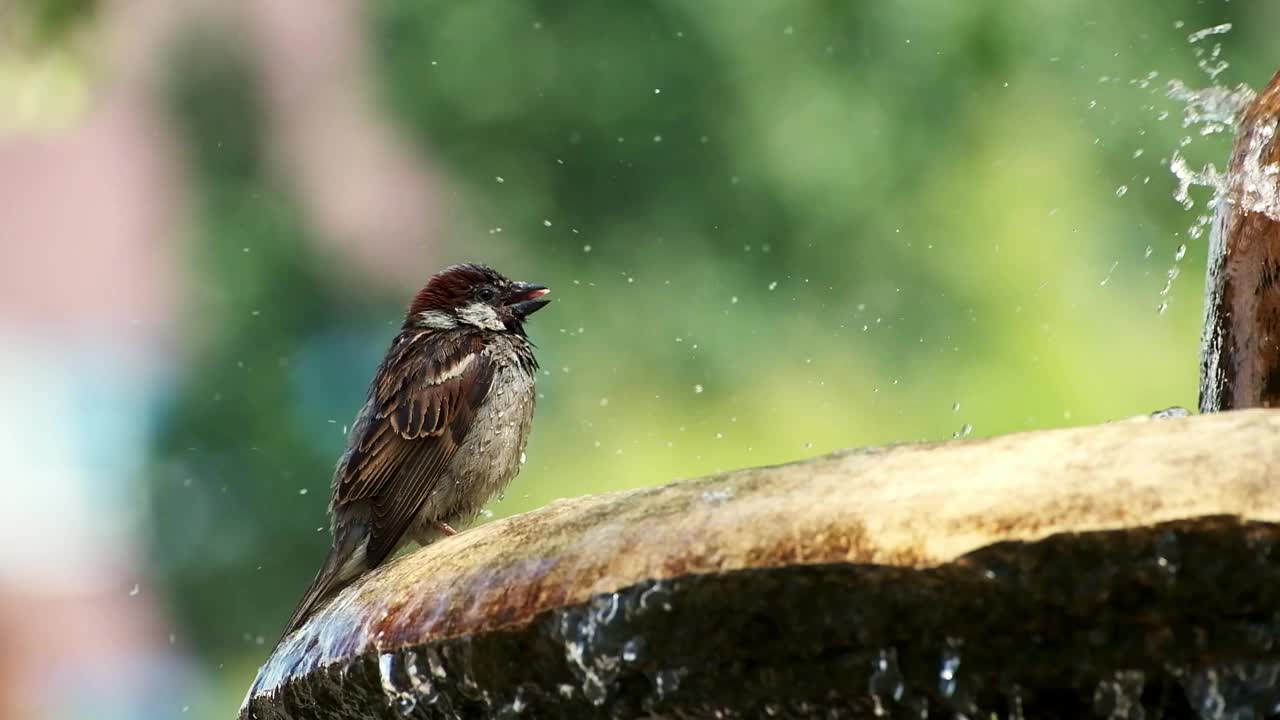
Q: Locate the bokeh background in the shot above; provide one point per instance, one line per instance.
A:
(773, 229)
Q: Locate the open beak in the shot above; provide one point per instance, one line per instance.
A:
(525, 299)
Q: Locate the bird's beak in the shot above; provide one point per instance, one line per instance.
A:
(525, 299)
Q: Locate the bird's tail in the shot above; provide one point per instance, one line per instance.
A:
(344, 564)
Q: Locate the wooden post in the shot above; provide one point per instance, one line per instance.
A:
(1240, 353)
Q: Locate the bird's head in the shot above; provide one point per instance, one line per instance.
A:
(477, 296)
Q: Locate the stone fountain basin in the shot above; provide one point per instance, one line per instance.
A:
(1125, 570)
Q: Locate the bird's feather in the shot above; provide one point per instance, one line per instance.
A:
(423, 406)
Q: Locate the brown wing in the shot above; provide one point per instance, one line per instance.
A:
(422, 406)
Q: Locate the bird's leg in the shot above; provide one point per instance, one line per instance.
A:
(431, 531)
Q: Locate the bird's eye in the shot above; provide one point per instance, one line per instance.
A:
(486, 294)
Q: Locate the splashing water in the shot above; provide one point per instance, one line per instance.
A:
(947, 681)
(1210, 61)
(1207, 176)
(406, 684)
(1120, 696)
(1210, 111)
(1170, 275)
(402, 700)
(595, 667)
(1235, 690)
(597, 645)
(1257, 183)
(886, 683)
(1207, 111)
(1199, 35)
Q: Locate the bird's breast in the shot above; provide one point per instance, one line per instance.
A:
(493, 450)
(497, 438)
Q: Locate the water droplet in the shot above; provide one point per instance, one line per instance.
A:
(955, 407)
(604, 402)
(947, 674)
(1199, 35)
(1015, 703)
(1180, 253)
(546, 223)
(886, 681)
(1168, 554)
(1121, 696)
(718, 496)
(697, 389)
(499, 178)
(632, 649)
(586, 248)
(402, 700)
(133, 592)
(773, 285)
(733, 300)
(666, 682)
(518, 705)
(1122, 190)
(1107, 279)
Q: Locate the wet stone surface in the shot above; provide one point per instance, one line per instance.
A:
(1175, 621)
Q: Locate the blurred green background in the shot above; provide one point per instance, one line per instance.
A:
(772, 230)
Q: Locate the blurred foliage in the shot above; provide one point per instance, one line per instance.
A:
(229, 456)
(44, 76)
(772, 229)
(44, 22)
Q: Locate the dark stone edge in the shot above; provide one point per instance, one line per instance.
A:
(1172, 619)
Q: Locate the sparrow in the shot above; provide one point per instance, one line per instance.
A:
(442, 430)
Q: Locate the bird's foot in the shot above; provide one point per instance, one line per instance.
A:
(445, 528)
